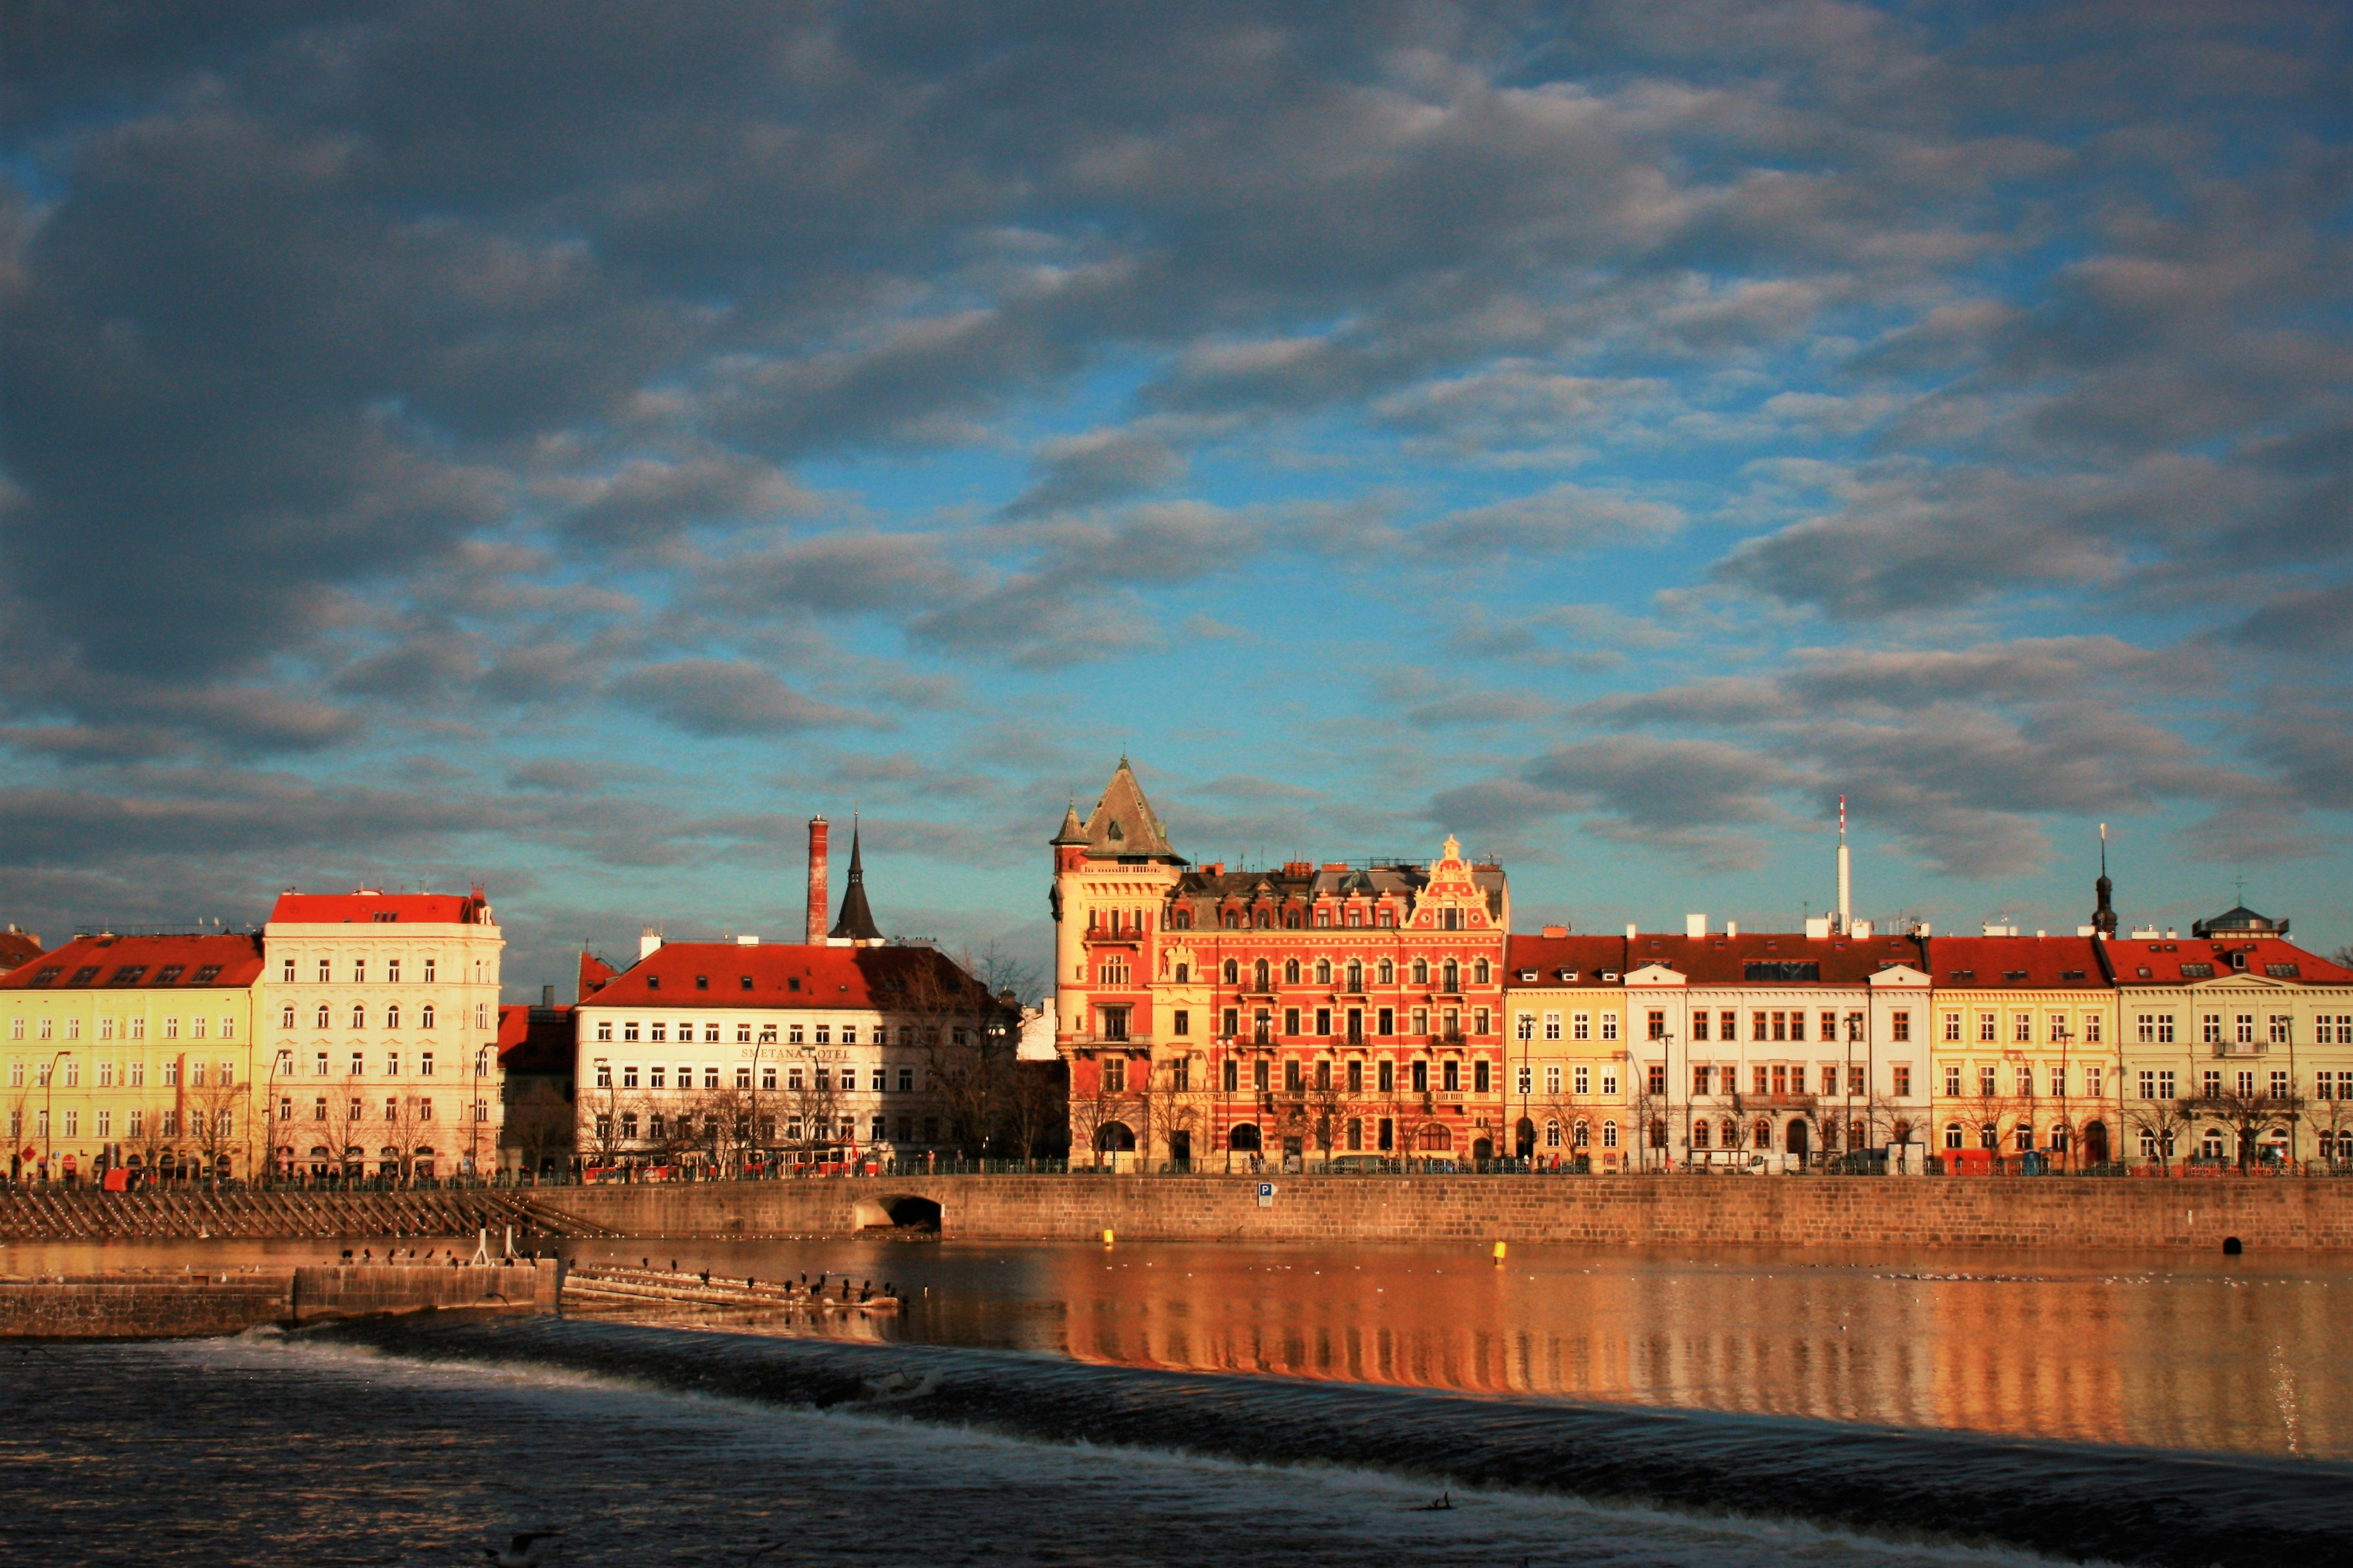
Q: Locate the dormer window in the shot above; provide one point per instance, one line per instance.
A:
(84, 976)
(653, 981)
(702, 983)
(1528, 976)
(207, 975)
(1569, 976)
(745, 982)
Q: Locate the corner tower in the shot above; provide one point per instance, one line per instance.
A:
(1112, 875)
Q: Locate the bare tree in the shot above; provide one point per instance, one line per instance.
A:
(969, 1034)
(2161, 1123)
(1041, 1106)
(2333, 1119)
(212, 1105)
(2250, 1117)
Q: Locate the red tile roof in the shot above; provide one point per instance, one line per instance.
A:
(1719, 959)
(536, 1039)
(140, 961)
(785, 974)
(594, 973)
(2042, 963)
(367, 905)
(18, 947)
(1587, 957)
(2174, 963)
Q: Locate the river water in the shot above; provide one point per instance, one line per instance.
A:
(1161, 1403)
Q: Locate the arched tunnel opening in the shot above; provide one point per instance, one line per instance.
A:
(901, 1211)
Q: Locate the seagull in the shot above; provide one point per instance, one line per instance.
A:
(1440, 1504)
(529, 1550)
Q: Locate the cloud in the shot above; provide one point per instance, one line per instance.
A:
(1083, 470)
(712, 697)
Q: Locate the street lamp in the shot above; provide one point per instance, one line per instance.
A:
(49, 1118)
(474, 1134)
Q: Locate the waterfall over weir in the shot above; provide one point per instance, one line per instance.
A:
(2069, 1500)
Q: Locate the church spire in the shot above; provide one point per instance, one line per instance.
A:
(856, 925)
(2103, 917)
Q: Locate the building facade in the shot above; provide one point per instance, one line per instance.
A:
(1213, 1016)
(2025, 1056)
(1569, 1063)
(2237, 1045)
(132, 1052)
(381, 1013)
(1774, 1045)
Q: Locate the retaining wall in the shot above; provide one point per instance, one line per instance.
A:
(1784, 1210)
(123, 1306)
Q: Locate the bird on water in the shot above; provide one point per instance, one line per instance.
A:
(530, 1548)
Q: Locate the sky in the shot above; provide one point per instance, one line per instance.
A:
(568, 445)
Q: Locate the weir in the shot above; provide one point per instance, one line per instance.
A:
(189, 1304)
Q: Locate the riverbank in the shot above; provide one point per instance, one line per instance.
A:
(1937, 1213)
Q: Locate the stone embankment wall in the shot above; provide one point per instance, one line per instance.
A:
(178, 1306)
(1779, 1211)
(60, 1213)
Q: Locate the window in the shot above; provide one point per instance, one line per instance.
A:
(1385, 1077)
(1899, 1027)
(1422, 1077)
(1526, 1081)
(1903, 1080)
(1699, 1025)
(1953, 1028)
(286, 1016)
(1114, 1075)
(1952, 1082)
(1580, 1026)
(1985, 1028)
(2059, 1079)
(325, 974)
(392, 971)
(359, 1015)
(1609, 1025)
(2210, 1029)
(1290, 1021)
(1658, 1078)
(2025, 1082)
(425, 1013)
(1658, 1023)
(1582, 1076)
(2093, 1031)
(359, 970)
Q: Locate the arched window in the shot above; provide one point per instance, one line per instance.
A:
(392, 1016)
(1764, 1133)
(286, 1016)
(1952, 1134)
(1552, 1133)
(1990, 1136)
(1421, 972)
(1355, 975)
(1453, 974)
(1266, 919)
(1233, 973)
(1731, 1130)
(1437, 1135)
(1230, 920)
(424, 1017)
(1258, 976)
(2025, 1136)
(1700, 1134)
(1290, 920)
(1580, 1136)
(1387, 972)
(1322, 971)
(1854, 1135)
(324, 1019)
(1479, 972)
(1290, 972)
(359, 1014)
(1610, 1135)
(1181, 919)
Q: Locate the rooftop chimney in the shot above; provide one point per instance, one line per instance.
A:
(547, 995)
(1731, 928)
(649, 943)
(1845, 909)
(1695, 926)
(1630, 932)
(817, 899)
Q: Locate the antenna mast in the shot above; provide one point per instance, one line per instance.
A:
(1845, 905)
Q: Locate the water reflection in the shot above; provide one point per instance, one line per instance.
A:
(2222, 1353)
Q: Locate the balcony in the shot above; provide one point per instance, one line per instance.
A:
(1805, 1102)
(2238, 1049)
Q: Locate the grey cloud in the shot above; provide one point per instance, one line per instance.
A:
(726, 696)
(557, 777)
(2304, 623)
(838, 573)
(1679, 795)
(1567, 519)
(1103, 465)
(648, 499)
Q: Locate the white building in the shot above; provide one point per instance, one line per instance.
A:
(381, 1011)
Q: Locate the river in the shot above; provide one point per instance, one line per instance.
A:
(1757, 1403)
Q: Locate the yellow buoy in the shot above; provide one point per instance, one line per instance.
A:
(1499, 1255)
(1106, 1238)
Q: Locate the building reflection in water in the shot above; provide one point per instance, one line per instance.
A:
(2165, 1353)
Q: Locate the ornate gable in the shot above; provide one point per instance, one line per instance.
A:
(1452, 900)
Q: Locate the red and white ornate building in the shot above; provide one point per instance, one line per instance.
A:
(1323, 1009)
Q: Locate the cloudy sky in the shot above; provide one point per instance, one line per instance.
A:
(570, 445)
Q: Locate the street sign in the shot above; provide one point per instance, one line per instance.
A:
(1266, 1194)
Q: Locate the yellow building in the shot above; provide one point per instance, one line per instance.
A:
(1567, 1080)
(132, 1052)
(2024, 1054)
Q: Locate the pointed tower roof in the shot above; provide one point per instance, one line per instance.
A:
(1123, 826)
(1074, 831)
(857, 921)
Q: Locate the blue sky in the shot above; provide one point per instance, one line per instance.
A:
(568, 445)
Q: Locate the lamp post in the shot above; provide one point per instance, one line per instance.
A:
(49, 1118)
(2062, 1036)
(474, 1134)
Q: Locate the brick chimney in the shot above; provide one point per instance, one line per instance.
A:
(816, 901)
